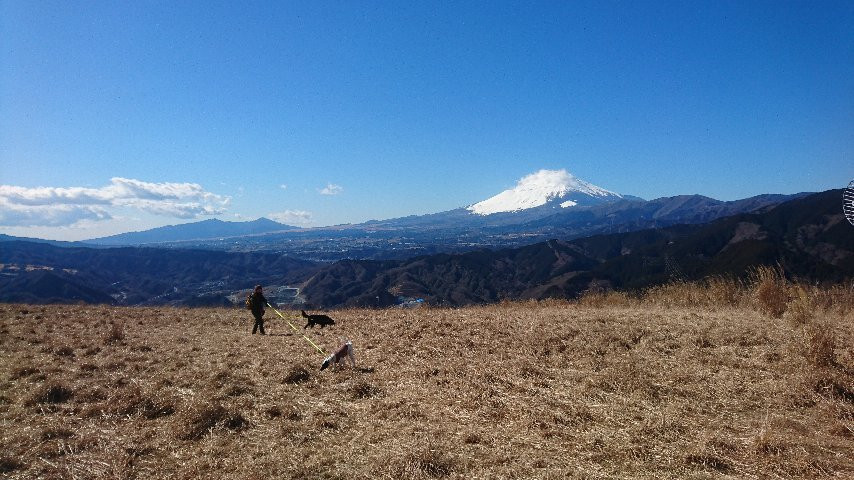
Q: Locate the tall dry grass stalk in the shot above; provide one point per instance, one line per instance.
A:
(819, 344)
(606, 299)
(714, 292)
(803, 305)
(838, 299)
(770, 290)
(767, 290)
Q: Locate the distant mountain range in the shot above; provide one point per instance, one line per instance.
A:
(207, 229)
(544, 205)
(58, 243)
(808, 236)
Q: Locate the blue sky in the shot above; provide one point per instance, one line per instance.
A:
(131, 115)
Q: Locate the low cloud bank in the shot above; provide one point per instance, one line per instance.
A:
(298, 218)
(60, 206)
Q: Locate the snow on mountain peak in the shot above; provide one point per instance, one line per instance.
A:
(538, 189)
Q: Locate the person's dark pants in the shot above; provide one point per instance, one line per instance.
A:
(259, 323)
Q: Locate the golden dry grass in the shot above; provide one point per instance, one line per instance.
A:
(596, 389)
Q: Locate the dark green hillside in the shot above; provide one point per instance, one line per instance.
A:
(809, 237)
(350, 282)
(144, 275)
(47, 287)
(475, 277)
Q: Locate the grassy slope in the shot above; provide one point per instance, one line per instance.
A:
(526, 390)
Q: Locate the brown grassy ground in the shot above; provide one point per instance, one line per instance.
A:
(517, 390)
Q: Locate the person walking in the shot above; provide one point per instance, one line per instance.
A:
(258, 303)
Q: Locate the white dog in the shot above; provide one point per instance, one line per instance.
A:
(345, 350)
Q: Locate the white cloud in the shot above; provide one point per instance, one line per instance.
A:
(292, 217)
(48, 215)
(283, 186)
(175, 209)
(43, 196)
(129, 188)
(331, 189)
(58, 206)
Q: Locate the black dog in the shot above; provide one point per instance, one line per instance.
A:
(321, 320)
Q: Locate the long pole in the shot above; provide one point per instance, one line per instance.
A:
(297, 331)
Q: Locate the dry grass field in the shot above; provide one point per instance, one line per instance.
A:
(687, 382)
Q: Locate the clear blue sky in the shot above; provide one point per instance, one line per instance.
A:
(333, 112)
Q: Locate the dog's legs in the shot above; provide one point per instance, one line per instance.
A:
(351, 356)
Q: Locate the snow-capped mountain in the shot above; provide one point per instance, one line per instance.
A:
(556, 188)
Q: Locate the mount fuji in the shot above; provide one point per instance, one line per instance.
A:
(550, 188)
(550, 204)
(541, 194)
